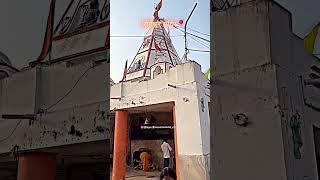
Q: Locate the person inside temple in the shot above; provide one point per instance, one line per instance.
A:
(146, 160)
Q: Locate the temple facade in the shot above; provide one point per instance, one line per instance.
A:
(161, 97)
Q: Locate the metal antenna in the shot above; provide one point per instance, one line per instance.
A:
(185, 33)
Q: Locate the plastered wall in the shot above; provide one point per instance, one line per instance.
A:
(70, 105)
(262, 75)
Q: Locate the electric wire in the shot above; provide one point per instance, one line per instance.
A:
(196, 50)
(12, 131)
(200, 42)
(198, 32)
(198, 37)
(192, 34)
(68, 92)
(51, 106)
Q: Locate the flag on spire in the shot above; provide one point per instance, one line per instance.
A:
(156, 46)
(47, 44)
(125, 71)
(159, 6)
(207, 73)
(310, 39)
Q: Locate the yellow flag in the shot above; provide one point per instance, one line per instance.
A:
(207, 74)
(310, 39)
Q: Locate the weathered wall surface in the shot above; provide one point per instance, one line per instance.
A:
(269, 87)
(74, 36)
(190, 133)
(18, 93)
(74, 102)
(293, 65)
(244, 81)
(79, 43)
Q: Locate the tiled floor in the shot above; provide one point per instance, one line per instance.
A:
(141, 175)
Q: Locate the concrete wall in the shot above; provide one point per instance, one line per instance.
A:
(76, 39)
(261, 75)
(293, 64)
(80, 116)
(244, 81)
(19, 93)
(79, 43)
(192, 147)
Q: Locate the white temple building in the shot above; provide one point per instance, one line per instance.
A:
(55, 121)
(159, 98)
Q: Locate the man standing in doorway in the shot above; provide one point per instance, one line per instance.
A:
(166, 149)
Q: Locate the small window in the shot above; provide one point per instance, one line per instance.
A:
(157, 71)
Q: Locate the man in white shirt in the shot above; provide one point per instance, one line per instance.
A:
(166, 149)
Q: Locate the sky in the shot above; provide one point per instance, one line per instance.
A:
(126, 17)
(23, 26)
(305, 14)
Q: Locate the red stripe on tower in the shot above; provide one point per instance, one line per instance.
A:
(156, 46)
(125, 72)
(47, 43)
(159, 6)
(107, 43)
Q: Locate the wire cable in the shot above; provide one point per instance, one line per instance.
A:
(199, 32)
(196, 50)
(198, 37)
(200, 42)
(75, 84)
(192, 34)
(11, 133)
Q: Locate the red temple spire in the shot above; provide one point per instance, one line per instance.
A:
(125, 71)
(49, 33)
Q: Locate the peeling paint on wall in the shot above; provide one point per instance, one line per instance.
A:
(295, 125)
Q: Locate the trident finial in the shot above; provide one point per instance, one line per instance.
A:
(157, 9)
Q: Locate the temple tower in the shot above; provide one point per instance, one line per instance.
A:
(156, 54)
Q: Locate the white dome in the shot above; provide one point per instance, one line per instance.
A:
(6, 68)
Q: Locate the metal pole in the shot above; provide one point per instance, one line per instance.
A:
(18, 116)
(185, 32)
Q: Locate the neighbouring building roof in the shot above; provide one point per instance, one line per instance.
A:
(6, 68)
